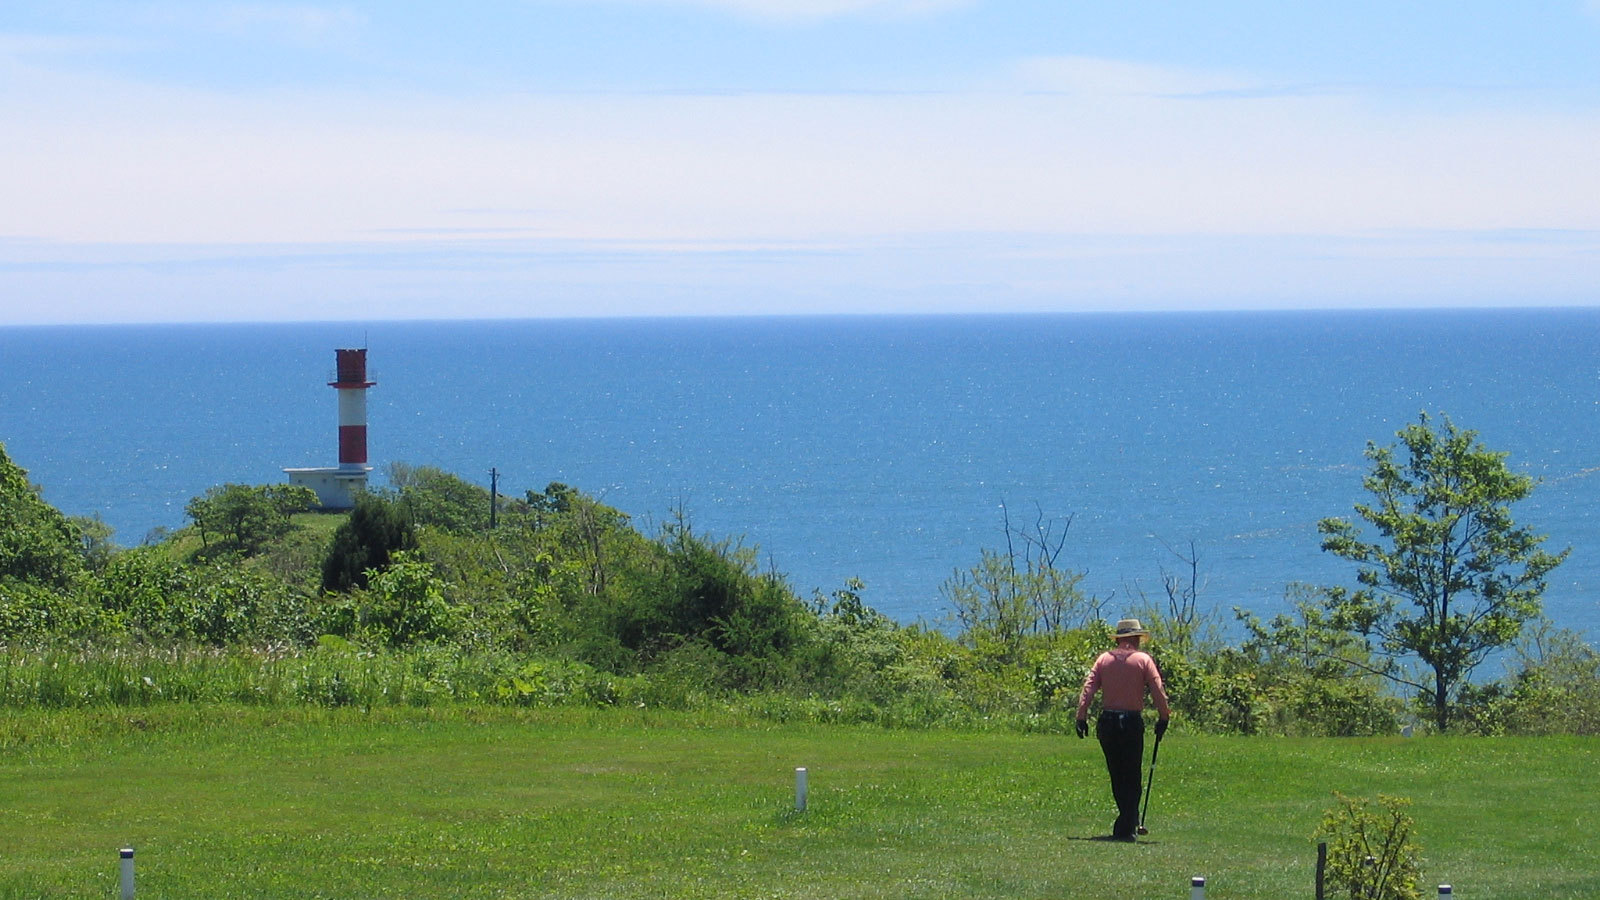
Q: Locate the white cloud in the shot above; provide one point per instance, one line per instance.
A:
(814, 10)
(295, 23)
(41, 45)
(164, 166)
(1110, 77)
(302, 22)
(1133, 182)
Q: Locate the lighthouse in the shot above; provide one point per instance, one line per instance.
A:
(337, 487)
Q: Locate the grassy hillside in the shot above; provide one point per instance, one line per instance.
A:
(463, 802)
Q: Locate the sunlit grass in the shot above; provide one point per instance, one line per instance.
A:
(230, 801)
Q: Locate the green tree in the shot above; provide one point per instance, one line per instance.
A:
(582, 528)
(366, 541)
(157, 598)
(32, 613)
(94, 537)
(38, 545)
(145, 591)
(1024, 591)
(1321, 679)
(245, 518)
(1553, 688)
(437, 499)
(1452, 577)
(406, 604)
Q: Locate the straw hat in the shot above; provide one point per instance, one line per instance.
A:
(1132, 628)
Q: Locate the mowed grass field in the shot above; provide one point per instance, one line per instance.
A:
(234, 802)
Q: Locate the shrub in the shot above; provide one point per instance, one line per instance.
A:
(365, 542)
(1555, 689)
(38, 544)
(1371, 853)
(31, 613)
(405, 605)
(708, 593)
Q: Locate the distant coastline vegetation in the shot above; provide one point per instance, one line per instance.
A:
(411, 599)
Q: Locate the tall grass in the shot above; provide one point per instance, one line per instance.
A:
(337, 674)
(328, 676)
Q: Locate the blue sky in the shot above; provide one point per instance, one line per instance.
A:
(217, 161)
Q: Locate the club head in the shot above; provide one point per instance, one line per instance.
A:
(1142, 830)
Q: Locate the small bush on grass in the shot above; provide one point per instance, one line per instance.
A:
(1371, 853)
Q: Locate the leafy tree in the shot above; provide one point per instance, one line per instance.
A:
(406, 604)
(365, 542)
(710, 590)
(1451, 578)
(1554, 688)
(435, 498)
(1024, 591)
(582, 529)
(703, 605)
(246, 518)
(38, 545)
(1320, 678)
(1560, 678)
(95, 539)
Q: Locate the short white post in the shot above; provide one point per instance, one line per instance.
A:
(127, 873)
(1444, 890)
(800, 789)
(1197, 888)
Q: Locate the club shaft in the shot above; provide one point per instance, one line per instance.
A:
(1154, 752)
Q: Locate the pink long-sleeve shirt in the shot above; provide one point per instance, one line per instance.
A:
(1122, 676)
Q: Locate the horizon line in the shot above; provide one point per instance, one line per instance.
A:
(866, 314)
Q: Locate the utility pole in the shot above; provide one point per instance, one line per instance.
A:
(494, 496)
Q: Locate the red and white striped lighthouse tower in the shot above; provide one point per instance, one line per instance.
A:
(336, 488)
(352, 387)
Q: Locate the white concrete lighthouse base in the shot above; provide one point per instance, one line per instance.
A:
(336, 487)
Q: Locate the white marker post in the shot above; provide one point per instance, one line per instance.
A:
(127, 873)
(800, 789)
(1197, 888)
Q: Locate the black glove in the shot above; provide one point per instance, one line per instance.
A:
(1161, 728)
(1083, 728)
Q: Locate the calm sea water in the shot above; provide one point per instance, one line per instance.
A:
(878, 448)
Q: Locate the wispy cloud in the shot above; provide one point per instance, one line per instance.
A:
(42, 45)
(296, 23)
(1124, 152)
(1093, 76)
(1138, 170)
(306, 23)
(815, 10)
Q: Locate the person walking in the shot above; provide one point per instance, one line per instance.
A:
(1123, 676)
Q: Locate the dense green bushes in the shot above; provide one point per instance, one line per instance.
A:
(566, 603)
(374, 531)
(38, 545)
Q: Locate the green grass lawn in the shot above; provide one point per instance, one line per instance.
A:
(229, 802)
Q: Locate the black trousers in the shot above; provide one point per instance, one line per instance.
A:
(1121, 737)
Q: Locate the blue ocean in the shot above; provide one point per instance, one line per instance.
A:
(889, 449)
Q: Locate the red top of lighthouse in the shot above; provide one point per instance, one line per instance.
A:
(352, 368)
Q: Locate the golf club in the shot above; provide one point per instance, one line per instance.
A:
(1154, 752)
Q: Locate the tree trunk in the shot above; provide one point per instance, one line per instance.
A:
(1441, 701)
